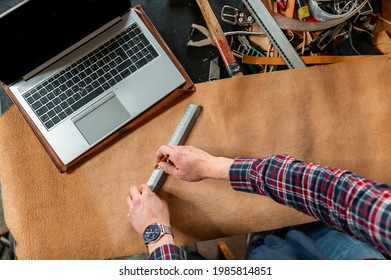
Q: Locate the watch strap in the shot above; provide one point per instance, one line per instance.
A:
(166, 230)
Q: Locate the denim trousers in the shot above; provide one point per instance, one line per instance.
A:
(313, 241)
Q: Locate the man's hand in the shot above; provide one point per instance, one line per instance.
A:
(146, 208)
(191, 164)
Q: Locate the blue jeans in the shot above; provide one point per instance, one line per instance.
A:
(340, 246)
(313, 241)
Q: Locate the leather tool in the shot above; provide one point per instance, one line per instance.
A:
(217, 35)
(214, 69)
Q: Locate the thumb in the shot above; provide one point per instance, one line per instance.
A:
(168, 168)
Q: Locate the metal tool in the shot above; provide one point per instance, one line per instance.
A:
(191, 114)
(274, 33)
(214, 69)
(207, 41)
(217, 35)
(201, 43)
(325, 39)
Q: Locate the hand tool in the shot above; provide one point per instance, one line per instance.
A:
(186, 123)
(219, 39)
(214, 69)
(323, 40)
(201, 43)
(208, 41)
(274, 33)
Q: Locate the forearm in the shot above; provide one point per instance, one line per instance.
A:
(218, 168)
(339, 198)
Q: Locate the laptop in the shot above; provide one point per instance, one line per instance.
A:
(81, 69)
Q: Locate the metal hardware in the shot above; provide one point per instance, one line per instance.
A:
(214, 69)
(234, 16)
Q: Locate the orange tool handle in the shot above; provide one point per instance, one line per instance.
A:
(218, 37)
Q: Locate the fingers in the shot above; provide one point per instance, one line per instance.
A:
(168, 168)
(163, 151)
(144, 188)
(134, 192)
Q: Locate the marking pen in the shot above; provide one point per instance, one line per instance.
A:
(164, 158)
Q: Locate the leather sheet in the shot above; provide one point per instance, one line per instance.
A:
(337, 115)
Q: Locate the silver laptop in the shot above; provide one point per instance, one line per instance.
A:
(82, 68)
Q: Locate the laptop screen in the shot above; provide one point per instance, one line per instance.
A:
(40, 29)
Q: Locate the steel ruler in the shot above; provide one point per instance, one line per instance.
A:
(263, 17)
(186, 123)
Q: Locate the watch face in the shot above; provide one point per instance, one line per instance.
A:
(151, 233)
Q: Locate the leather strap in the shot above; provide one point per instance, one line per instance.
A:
(307, 59)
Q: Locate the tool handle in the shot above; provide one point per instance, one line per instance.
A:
(218, 37)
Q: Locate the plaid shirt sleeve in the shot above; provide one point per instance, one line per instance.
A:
(168, 252)
(355, 205)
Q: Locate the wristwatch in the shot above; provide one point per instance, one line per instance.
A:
(154, 232)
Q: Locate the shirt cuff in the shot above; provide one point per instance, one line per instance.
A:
(168, 252)
(239, 174)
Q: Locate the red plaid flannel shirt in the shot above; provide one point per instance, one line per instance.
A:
(352, 204)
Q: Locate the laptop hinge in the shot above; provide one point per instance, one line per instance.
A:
(71, 48)
(14, 8)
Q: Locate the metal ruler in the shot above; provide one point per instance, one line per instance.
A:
(191, 114)
(263, 17)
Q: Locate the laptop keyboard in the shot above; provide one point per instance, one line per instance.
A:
(72, 88)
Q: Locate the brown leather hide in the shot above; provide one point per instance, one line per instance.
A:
(337, 115)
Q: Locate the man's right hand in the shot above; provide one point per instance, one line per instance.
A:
(191, 164)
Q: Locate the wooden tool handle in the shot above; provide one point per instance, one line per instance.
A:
(218, 37)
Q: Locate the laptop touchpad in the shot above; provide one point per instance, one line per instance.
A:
(101, 118)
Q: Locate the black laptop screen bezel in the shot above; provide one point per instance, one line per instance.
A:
(38, 30)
